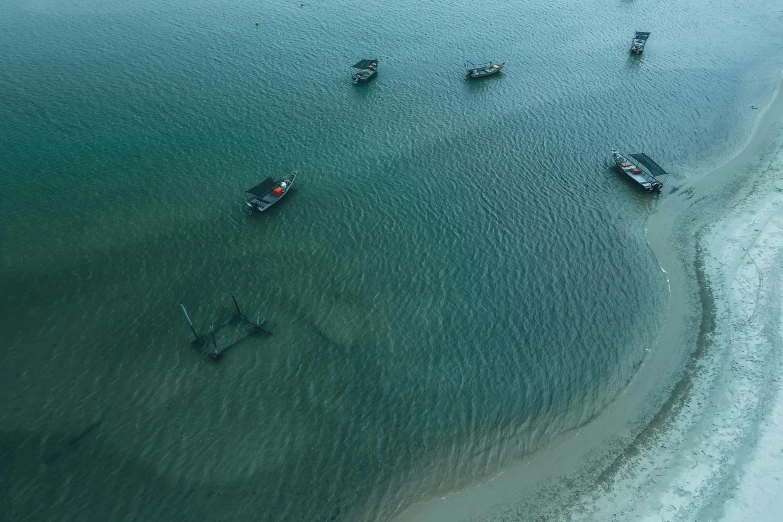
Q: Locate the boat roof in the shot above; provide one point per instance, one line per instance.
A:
(363, 64)
(641, 35)
(263, 188)
(655, 169)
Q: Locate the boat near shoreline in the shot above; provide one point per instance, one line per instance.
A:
(717, 244)
(646, 180)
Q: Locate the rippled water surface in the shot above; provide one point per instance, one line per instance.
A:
(456, 276)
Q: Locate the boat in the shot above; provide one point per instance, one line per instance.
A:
(647, 179)
(483, 70)
(638, 42)
(367, 69)
(269, 192)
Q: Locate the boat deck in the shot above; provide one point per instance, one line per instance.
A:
(269, 199)
(639, 41)
(262, 196)
(644, 179)
(485, 69)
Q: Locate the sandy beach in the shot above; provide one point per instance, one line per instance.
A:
(697, 433)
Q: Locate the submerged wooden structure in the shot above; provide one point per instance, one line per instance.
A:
(207, 344)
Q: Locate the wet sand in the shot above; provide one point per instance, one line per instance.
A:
(696, 434)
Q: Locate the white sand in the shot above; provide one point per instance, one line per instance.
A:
(719, 456)
(714, 451)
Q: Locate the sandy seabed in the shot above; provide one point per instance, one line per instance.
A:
(698, 433)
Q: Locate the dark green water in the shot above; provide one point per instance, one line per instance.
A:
(456, 276)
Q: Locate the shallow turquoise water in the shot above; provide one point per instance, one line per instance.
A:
(456, 277)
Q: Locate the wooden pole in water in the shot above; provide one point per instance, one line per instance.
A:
(212, 329)
(189, 321)
(239, 313)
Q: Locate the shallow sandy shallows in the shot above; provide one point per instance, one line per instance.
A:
(719, 454)
(698, 433)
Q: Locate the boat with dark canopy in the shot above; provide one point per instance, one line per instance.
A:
(367, 69)
(648, 179)
(269, 192)
(483, 70)
(639, 41)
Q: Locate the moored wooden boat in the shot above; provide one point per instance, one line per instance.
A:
(635, 173)
(639, 41)
(367, 69)
(269, 192)
(483, 70)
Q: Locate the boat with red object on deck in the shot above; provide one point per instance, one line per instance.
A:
(269, 192)
(647, 180)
